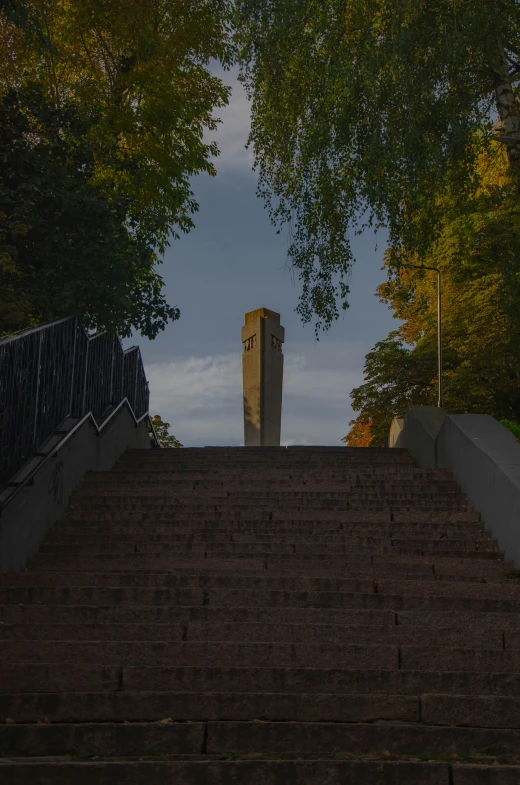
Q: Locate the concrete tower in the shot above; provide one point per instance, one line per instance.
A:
(262, 368)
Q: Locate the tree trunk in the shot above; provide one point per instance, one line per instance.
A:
(507, 108)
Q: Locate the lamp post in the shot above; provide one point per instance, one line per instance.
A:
(439, 323)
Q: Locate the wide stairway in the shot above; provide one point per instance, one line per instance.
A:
(262, 616)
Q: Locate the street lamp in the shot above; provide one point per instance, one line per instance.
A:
(439, 322)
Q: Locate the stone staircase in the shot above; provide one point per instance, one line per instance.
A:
(262, 616)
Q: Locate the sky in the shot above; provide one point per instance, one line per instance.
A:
(234, 262)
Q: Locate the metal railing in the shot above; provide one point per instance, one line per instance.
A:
(55, 371)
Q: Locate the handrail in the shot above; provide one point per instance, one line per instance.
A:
(55, 371)
(21, 333)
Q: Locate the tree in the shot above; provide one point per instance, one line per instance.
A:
(64, 248)
(164, 438)
(480, 264)
(136, 69)
(365, 112)
(360, 434)
(124, 98)
(395, 377)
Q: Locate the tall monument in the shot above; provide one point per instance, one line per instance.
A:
(262, 369)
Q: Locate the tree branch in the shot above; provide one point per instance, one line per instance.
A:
(507, 139)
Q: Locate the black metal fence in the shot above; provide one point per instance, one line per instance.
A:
(55, 371)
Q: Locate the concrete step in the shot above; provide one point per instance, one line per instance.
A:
(163, 581)
(40, 678)
(343, 545)
(311, 680)
(256, 632)
(168, 739)
(204, 503)
(349, 473)
(209, 579)
(201, 575)
(312, 479)
(269, 462)
(151, 592)
(260, 529)
(495, 590)
(168, 614)
(273, 469)
(261, 533)
(199, 706)
(230, 579)
(364, 566)
(236, 471)
(246, 498)
(348, 469)
(255, 737)
(157, 559)
(222, 653)
(257, 454)
(164, 494)
(268, 654)
(325, 483)
(131, 513)
(271, 772)
(463, 597)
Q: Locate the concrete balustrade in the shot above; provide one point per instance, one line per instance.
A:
(483, 456)
(26, 518)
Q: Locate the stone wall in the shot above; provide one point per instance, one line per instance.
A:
(483, 456)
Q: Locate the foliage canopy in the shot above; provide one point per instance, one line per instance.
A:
(479, 257)
(161, 429)
(364, 112)
(124, 94)
(64, 248)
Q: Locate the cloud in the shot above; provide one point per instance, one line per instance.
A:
(311, 382)
(231, 135)
(202, 398)
(191, 383)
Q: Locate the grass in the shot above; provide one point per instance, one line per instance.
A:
(512, 426)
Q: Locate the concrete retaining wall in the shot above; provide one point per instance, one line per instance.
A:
(27, 518)
(484, 458)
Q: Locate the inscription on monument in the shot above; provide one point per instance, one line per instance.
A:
(276, 343)
(250, 343)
